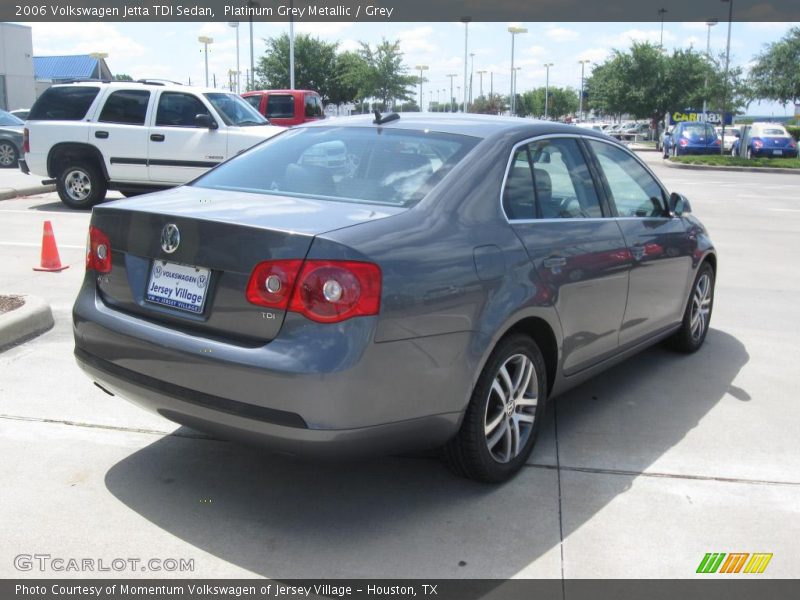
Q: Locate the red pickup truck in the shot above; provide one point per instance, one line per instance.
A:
(287, 107)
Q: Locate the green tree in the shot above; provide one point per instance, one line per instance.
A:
(351, 74)
(776, 72)
(386, 77)
(563, 101)
(314, 65)
(122, 77)
(488, 104)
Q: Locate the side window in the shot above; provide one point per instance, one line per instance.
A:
(564, 186)
(67, 103)
(126, 106)
(176, 109)
(254, 101)
(519, 197)
(634, 191)
(313, 108)
(280, 106)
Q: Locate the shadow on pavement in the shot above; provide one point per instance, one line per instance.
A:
(401, 517)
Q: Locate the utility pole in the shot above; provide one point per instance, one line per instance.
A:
(480, 83)
(465, 21)
(491, 83)
(421, 68)
(205, 40)
(471, 73)
(253, 5)
(291, 44)
(583, 64)
(452, 98)
(547, 89)
(661, 13)
(710, 23)
(513, 100)
(727, 67)
(235, 25)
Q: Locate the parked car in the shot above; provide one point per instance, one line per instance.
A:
(134, 136)
(436, 288)
(731, 133)
(287, 107)
(10, 140)
(660, 141)
(691, 137)
(21, 113)
(769, 140)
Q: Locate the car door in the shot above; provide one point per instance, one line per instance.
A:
(659, 244)
(179, 149)
(121, 134)
(552, 203)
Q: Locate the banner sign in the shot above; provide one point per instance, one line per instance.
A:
(710, 116)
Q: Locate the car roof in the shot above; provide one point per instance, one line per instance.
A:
(475, 125)
(250, 93)
(143, 84)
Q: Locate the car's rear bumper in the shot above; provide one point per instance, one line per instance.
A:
(770, 153)
(301, 393)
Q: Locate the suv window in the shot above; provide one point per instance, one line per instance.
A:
(632, 189)
(280, 106)
(126, 106)
(177, 109)
(254, 101)
(68, 103)
(313, 108)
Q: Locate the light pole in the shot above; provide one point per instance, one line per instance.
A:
(480, 82)
(430, 100)
(710, 23)
(727, 67)
(547, 88)
(205, 40)
(491, 83)
(421, 68)
(465, 21)
(98, 56)
(471, 73)
(235, 25)
(583, 64)
(516, 70)
(452, 98)
(514, 31)
(252, 84)
(661, 13)
(291, 44)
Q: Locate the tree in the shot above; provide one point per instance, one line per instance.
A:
(351, 74)
(386, 77)
(489, 104)
(122, 77)
(776, 72)
(563, 101)
(314, 63)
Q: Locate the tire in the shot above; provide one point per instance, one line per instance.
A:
(690, 337)
(496, 438)
(81, 184)
(749, 154)
(9, 155)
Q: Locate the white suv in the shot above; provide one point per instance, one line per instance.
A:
(134, 136)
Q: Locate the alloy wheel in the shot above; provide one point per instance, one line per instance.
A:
(7, 155)
(701, 307)
(78, 185)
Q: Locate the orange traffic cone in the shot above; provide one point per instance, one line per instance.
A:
(50, 258)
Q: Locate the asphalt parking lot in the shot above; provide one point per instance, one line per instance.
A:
(639, 472)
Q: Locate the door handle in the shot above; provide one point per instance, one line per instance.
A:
(157, 137)
(555, 262)
(101, 134)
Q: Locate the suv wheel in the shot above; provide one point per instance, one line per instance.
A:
(81, 185)
(697, 317)
(504, 414)
(9, 156)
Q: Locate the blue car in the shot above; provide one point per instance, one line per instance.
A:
(769, 140)
(691, 138)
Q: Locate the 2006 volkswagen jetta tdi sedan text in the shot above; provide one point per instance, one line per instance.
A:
(362, 286)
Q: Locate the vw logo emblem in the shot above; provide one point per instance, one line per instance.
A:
(170, 238)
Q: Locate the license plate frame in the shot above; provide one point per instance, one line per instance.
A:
(177, 286)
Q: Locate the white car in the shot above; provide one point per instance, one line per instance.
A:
(134, 137)
(730, 136)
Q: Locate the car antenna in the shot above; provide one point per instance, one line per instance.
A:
(381, 119)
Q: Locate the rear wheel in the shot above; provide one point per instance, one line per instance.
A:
(81, 185)
(503, 418)
(9, 156)
(749, 154)
(697, 317)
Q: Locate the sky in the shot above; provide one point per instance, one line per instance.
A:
(171, 50)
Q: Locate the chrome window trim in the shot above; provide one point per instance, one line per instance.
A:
(578, 136)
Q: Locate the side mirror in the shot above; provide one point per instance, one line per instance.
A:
(679, 205)
(205, 120)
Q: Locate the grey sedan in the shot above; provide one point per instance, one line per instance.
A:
(365, 285)
(10, 140)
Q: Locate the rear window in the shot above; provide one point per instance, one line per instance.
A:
(774, 131)
(69, 103)
(350, 164)
(280, 107)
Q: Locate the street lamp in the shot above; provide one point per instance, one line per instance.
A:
(430, 100)
(235, 25)
(205, 40)
(710, 23)
(291, 44)
(516, 70)
(480, 82)
(98, 56)
(465, 21)
(471, 73)
(421, 68)
(252, 83)
(547, 88)
(661, 13)
(514, 31)
(583, 64)
(727, 67)
(452, 98)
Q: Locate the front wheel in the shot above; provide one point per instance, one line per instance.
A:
(9, 156)
(504, 414)
(81, 185)
(697, 316)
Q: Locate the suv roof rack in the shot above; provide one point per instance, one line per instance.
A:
(155, 81)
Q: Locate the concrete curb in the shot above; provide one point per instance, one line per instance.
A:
(31, 190)
(25, 322)
(673, 165)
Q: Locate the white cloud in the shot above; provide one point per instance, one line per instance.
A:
(417, 40)
(62, 39)
(348, 45)
(562, 34)
(596, 55)
(624, 39)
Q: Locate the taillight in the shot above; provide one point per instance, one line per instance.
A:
(26, 141)
(683, 142)
(792, 144)
(757, 143)
(717, 141)
(98, 251)
(326, 291)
